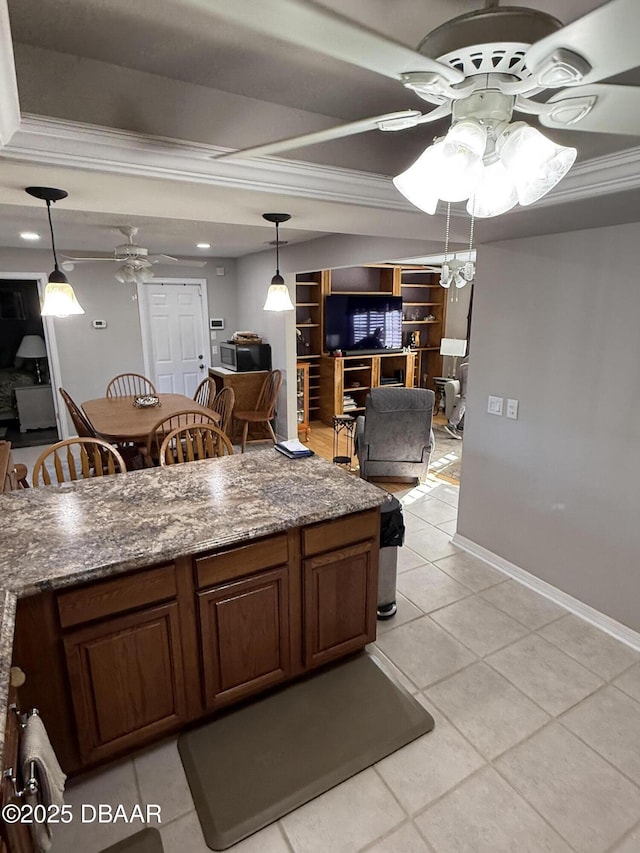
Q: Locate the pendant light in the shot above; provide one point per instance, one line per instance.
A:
(59, 298)
(278, 298)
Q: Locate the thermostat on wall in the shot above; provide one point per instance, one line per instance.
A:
(216, 322)
(99, 324)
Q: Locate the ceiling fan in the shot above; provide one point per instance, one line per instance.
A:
(135, 261)
(479, 68)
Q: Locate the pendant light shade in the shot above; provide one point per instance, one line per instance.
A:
(278, 298)
(59, 298)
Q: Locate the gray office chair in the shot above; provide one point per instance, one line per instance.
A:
(394, 439)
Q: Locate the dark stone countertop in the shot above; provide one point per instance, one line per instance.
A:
(59, 536)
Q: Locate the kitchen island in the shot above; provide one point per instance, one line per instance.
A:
(144, 601)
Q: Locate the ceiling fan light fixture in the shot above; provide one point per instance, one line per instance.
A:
(278, 298)
(59, 297)
(534, 162)
(495, 194)
(461, 168)
(418, 183)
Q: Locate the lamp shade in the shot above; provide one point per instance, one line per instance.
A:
(453, 346)
(32, 346)
(278, 298)
(495, 194)
(535, 163)
(59, 298)
(418, 183)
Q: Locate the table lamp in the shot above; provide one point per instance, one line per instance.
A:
(453, 347)
(33, 346)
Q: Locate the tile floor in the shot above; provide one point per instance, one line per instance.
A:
(536, 747)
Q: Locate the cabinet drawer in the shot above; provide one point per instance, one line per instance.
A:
(237, 562)
(343, 531)
(107, 598)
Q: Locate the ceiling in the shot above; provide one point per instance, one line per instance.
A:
(171, 69)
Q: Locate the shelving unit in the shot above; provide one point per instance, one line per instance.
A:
(424, 309)
(309, 297)
(302, 399)
(330, 379)
(351, 377)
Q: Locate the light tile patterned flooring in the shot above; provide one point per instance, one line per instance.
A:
(536, 747)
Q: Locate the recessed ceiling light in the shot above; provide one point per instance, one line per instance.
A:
(29, 235)
(203, 245)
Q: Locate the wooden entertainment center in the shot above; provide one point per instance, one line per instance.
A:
(331, 385)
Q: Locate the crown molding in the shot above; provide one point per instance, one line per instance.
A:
(59, 142)
(9, 103)
(73, 144)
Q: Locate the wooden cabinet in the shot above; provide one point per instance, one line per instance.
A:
(127, 680)
(119, 662)
(340, 588)
(302, 399)
(246, 388)
(345, 381)
(245, 636)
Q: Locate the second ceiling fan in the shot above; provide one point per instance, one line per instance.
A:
(135, 261)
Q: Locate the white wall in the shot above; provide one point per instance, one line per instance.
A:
(90, 357)
(555, 325)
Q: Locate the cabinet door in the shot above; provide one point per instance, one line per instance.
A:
(340, 590)
(127, 680)
(245, 636)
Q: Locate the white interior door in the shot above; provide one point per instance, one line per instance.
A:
(175, 339)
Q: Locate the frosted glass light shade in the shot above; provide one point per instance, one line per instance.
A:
(495, 194)
(278, 299)
(461, 168)
(418, 183)
(535, 163)
(59, 298)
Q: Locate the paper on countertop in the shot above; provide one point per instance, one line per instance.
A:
(294, 445)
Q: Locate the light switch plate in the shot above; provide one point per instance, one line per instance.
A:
(512, 409)
(495, 405)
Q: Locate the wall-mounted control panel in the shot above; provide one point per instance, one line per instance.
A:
(99, 324)
(216, 322)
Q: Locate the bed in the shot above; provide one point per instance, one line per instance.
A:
(10, 379)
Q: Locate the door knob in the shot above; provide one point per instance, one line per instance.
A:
(201, 366)
(200, 356)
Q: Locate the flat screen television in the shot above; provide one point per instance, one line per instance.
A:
(363, 323)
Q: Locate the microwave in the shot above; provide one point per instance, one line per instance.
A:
(245, 357)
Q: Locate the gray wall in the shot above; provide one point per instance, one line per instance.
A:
(555, 325)
(89, 358)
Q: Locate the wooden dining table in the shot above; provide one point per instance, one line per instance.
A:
(118, 420)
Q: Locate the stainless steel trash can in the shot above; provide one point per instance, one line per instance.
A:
(391, 538)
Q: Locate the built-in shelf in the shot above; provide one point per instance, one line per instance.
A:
(418, 322)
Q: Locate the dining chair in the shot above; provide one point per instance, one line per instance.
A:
(223, 404)
(193, 442)
(205, 392)
(129, 385)
(77, 459)
(81, 422)
(166, 425)
(265, 407)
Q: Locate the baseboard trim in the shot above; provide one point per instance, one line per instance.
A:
(574, 605)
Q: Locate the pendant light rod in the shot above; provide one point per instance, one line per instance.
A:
(276, 219)
(53, 239)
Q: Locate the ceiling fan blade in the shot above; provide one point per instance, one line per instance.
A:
(601, 108)
(321, 30)
(405, 118)
(171, 261)
(607, 38)
(83, 260)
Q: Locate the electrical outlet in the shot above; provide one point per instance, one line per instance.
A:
(495, 405)
(512, 409)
